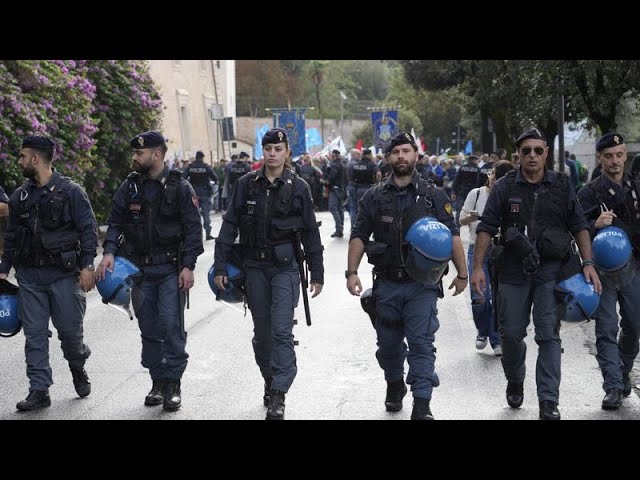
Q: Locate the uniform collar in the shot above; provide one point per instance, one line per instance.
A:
(548, 176)
(608, 183)
(286, 175)
(161, 178)
(415, 178)
(31, 183)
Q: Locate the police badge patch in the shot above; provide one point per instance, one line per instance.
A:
(448, 209)
(515, 207)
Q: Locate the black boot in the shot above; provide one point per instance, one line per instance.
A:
(549, 410)
(35, 400)
(171, 401)
(626, 385)
(81, 382)
(155, 396)
(612, 400)
(395, 393)
(421, 410)
(515, 394)
(267, 389)
(337, 234)
(275, 411)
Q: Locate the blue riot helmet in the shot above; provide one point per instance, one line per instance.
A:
(10, 323)
(429, 251)
(234, 289)
(579, 297)
(115, 287)
(612, 254)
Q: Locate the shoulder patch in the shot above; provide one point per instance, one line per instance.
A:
(448, 209)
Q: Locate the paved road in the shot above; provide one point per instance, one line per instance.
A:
(338, 375)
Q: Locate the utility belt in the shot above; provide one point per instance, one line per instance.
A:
(65, 260)
(154, 259)
(393, 274)
(280, 255)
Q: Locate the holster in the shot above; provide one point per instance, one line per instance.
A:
(368, 304)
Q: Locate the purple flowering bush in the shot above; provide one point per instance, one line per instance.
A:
(89, 108)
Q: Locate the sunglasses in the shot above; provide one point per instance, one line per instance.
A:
(527, 150)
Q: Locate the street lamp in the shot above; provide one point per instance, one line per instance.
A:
(343, 97)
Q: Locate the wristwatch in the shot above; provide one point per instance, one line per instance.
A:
(348, 273)
(91, 268)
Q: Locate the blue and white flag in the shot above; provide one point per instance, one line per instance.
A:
(260, 131)
(468, 149)
(293, 121)
(385, 126)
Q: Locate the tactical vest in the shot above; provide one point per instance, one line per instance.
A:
(363, 172)
(267, 216)
(153, 228)
(466, 180)
(627, 212)
(44, 236)
(391, 225)
(537, 213)
(236, 171)
(198, 176)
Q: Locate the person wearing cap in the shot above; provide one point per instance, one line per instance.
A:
(612, 199)
(336, 181)
(271, 209)
(406, 308)
(362, 174)
(535, 213)
(51, 240)
(199, 174)
(236, 168)
(155, 223)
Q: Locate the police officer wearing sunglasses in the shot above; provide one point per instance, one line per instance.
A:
(534, 214)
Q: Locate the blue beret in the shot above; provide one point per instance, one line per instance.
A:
(149, 139)
(275, 135)
(401, 139)
(609, 140)
(534, 133)
(244, 155)
(36, 141)
(199, 154)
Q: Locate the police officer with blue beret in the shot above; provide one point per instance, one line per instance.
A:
(199, 174)
(536, 213)
(51, 240)
(612, 200)
(272, 210)
(405, 307)
(155, 223)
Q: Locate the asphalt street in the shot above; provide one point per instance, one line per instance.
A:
(338, 375)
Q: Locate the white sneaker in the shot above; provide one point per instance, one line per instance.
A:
(481, 342)
(497, 351)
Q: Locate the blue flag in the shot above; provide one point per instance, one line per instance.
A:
(313, 137)
(468, 149)
(293, 122)
(385, 126)
(260, 131)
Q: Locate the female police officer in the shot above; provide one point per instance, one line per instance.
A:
(272, 208)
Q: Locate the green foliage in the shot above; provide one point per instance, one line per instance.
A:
(90, 109)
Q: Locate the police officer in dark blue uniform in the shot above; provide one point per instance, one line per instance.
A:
(362, 176)
(51, 241)
(336, 180)
(612, 200)
(405, 308)
(465, 181)
(272, 209)
(536, 213)
(235, 170)
(199, 174)
(155, 223)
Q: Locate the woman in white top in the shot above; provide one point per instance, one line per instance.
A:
(469, 215)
